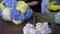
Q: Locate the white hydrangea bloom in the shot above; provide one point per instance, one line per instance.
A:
(46, 28)
(38, 26)
(6, 14)
(33, 31)
(27, 28)
(57, 18)
(39, 29)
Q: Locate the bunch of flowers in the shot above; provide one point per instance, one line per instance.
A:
(40, 28)
(15, 11)
(52, 6)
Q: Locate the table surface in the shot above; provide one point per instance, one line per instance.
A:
(10, 28)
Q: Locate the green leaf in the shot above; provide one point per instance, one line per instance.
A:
(51, 15)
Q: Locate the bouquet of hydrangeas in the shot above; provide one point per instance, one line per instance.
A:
(15, 11)
(40, 28)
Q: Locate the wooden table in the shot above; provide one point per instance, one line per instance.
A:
(11, 28)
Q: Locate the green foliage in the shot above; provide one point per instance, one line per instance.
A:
(51, 15)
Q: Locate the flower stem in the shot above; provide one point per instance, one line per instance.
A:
(34, 19)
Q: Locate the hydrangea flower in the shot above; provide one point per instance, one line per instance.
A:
(57, 18)
(10, 3)
(2, 6)
(22, 6)
(28, 13)
(16, 14)
(6, 14)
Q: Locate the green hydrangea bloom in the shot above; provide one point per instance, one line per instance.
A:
(2, 6)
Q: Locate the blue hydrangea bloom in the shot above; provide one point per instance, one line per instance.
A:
(17, 15)
(0, 12)
(10, 3)
(29, 13)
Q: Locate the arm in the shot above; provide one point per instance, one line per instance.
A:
(33, 3)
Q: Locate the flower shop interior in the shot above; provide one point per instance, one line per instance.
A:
(35, 17)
